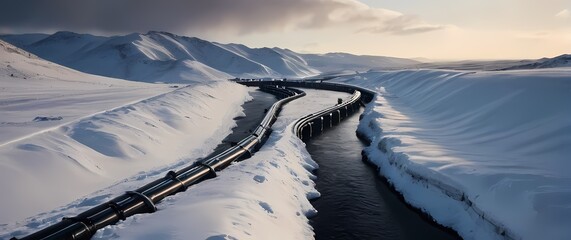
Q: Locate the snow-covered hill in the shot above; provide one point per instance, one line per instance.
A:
(80, 133)
(556, 62)
(165, 57)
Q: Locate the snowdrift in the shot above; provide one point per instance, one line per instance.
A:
(484, 153)
(34, 89)
(264, 197)
(66, 134)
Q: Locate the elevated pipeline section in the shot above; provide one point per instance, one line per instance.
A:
(313, 124)
(366, 94)
(143, 200)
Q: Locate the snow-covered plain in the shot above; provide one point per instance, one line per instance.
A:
(485, 153)
(94, 131)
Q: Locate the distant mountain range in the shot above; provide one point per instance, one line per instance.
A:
(500, 65)
(559, 61)
(166, 57)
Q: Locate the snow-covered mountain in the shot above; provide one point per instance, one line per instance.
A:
(559, 61)
(161, 57)
(165, 57)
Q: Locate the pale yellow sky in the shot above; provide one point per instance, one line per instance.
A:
(471, 29)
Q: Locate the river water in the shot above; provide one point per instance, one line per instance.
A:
(355, 202)
(254, 112)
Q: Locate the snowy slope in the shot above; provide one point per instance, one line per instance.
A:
(160, 56)
(32, 87)
(286, 62)
(486, 153)
(264, 197)
(135, 57)
(65, 134)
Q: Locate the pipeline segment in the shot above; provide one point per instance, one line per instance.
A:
(313, 124)
(366, 94)
(143, 199)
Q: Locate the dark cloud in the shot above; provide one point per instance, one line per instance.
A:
(234, 16)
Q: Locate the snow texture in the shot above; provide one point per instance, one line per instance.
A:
(264, 197)
(101, 130)
(485, 153)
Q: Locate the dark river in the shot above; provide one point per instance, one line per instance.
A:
(355, 202)
(254, 111)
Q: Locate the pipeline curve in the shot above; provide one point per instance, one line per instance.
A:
(143, 199)
(313, 124)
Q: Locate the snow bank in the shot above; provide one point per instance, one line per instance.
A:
(264, 197)
(57, 166)
(484, 153)
(32, 87)
(100, 130)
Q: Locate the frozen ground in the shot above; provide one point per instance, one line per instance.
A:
(265, 197)
(485, 153)
(65, 134)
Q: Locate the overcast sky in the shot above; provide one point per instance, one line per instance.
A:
(437, 29)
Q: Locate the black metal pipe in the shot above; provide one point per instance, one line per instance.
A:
(143, 200)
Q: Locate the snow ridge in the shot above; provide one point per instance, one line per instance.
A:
(481, 152)
(163, 57)
(81, 132)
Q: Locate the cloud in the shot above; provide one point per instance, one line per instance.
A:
(402, 25)
(564, 14)
(232, 16)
